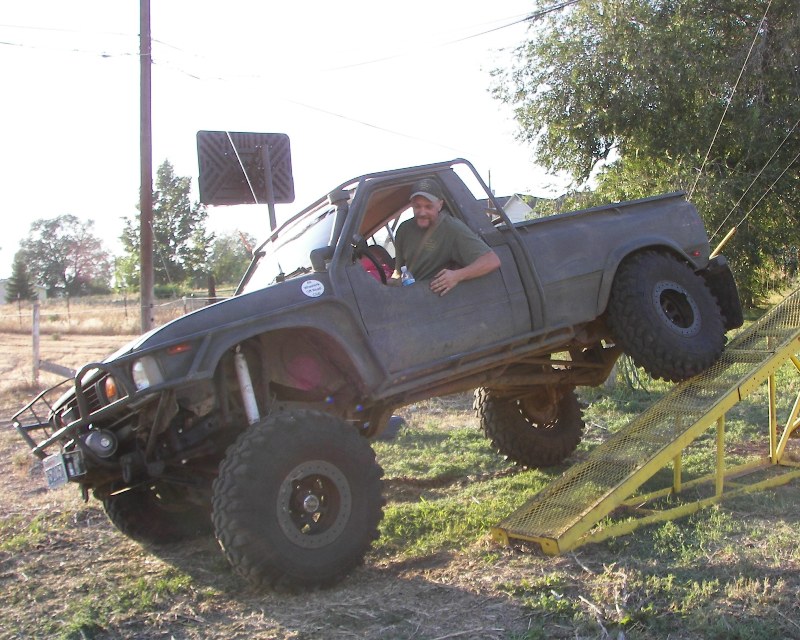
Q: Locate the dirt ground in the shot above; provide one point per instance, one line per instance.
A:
(72, 566)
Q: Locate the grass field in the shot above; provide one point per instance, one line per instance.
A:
(731, 571)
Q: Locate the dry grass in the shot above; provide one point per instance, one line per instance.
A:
(96, 315)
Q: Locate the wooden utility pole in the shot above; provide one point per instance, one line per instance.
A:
(146, 184)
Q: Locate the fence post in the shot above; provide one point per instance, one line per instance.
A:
(36, 341)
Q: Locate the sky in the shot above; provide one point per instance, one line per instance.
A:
(357, 85)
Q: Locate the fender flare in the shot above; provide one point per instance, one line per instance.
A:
(620, 253)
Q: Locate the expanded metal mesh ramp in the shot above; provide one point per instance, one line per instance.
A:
(566, 513)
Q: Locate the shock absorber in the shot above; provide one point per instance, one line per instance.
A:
(246, 386)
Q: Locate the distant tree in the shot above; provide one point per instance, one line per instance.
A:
(126, 272)
(66, 257)
(230, 255)
(19, 285)
(181, 246)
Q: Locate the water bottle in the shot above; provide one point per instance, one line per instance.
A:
(405, 276)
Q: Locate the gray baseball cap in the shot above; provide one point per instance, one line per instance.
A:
(428, 189)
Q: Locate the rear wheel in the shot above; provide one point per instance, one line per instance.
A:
(665, 317)
(541, 429)
(298, 501)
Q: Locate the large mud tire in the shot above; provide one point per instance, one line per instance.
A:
(665, 317)
(524, 440)
(298, 501)
(148, 514)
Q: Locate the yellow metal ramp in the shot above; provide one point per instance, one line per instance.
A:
(566, 514)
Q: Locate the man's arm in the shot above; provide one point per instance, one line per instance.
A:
(446, 279)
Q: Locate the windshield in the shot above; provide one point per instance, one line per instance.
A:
(288, 255)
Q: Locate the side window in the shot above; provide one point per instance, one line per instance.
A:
(384, 236)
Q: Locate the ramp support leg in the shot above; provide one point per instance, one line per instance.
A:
(720, 479)
(677, 468)
(773, 421)
(793, 422)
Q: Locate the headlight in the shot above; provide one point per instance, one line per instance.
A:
(146, 373)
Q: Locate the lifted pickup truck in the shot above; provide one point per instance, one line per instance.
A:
(253, 417)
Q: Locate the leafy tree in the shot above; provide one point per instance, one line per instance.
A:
(230, 255)
(181, 246)
(632, 93)
(66, 257)
(19, 285)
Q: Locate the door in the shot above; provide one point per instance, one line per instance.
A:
(411, 327)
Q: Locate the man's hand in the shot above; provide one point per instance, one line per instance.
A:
(444, 281)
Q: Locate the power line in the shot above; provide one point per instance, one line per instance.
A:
(531, 17)
(730, 98)
(101, 54)
(63, 30)
(764, 195)
(738, 202)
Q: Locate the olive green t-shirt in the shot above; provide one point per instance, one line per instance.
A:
(451, 241)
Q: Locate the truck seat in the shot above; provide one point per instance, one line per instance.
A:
(383, 257)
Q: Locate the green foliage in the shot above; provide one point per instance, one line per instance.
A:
(168, 291)
(230, 254)
(447, 511)
(181, 245)
(17, 534)
(64, 255)
(632, 94)
(547, 595)
(126, 272)
(90, 615)
(19, 285)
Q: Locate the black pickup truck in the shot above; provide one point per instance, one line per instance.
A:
(253, 417)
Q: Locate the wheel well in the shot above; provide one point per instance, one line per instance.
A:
(298, 365)
(616, 261)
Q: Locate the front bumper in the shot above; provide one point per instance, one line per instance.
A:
(75, 405)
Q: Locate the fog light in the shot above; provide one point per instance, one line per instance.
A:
(110, 390)
(102, 443)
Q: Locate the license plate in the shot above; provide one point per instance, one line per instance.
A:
(55, 471)
(62, 467)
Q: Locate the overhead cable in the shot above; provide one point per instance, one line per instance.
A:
(730, 98)
(738, 202)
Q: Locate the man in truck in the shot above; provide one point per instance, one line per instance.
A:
(435, 245)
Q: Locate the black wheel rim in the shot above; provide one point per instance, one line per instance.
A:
(314, 504)
(543, 425)
(677, 308)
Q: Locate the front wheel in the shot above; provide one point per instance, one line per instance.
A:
(298, 501)
(665, 317)
(540, 429)
(154, 514)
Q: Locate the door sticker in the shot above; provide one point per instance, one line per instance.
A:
(313, 288)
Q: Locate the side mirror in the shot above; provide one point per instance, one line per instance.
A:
(320, 257)
(359, 245)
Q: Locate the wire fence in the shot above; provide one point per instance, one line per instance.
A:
(95, 315)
